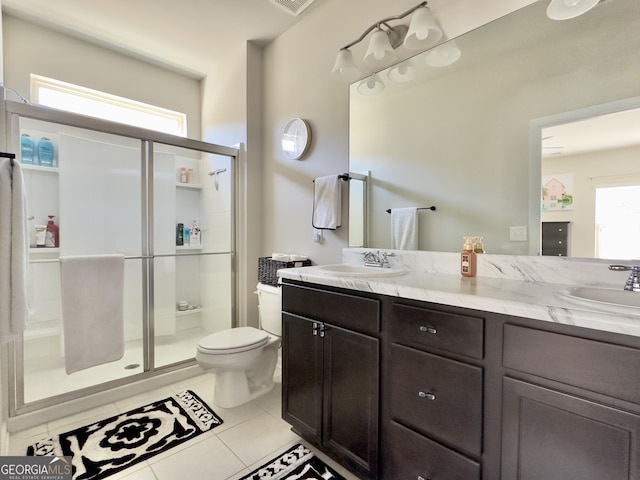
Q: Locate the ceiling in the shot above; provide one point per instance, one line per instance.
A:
(187, 35)
(604, 132)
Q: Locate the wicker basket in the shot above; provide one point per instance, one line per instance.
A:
(268, 268)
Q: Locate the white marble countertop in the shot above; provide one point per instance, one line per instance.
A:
(522, 298)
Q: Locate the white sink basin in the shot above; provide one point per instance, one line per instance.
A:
(344, 270)
(621, 301)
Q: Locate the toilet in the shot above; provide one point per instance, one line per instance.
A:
(244, 359)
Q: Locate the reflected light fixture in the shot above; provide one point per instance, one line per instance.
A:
(371, 85)
(402, 73)
(443, 55)
(422, 32)
(566, 9)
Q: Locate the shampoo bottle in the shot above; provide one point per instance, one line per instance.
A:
(468, 259)
(194, 235)
(52, 239)
(27, 149)
(46, 153)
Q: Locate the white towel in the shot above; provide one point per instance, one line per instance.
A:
(14, 251)
(404, 228)
(92, 310)
(327, 203)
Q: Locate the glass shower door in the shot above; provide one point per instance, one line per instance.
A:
(93, 191)
(192, 249)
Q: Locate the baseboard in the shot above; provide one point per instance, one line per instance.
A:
(4, 439)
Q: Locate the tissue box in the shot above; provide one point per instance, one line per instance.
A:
(268, 268)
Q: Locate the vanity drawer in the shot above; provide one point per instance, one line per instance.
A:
(451, 332)
(413, 456)
(600, 367)
(437, 396)
(342, 310)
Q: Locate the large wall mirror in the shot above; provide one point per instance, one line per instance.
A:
(477, 138)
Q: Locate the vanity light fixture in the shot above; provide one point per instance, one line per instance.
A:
(422, 32)
(371, 85)
(566, 9)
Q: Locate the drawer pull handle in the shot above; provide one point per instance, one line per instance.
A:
(428, 329)
(420, 477)
(427, 395)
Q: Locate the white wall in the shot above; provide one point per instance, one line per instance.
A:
(30, 48)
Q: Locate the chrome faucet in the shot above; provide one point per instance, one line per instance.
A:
(377, 259)
(633, 282)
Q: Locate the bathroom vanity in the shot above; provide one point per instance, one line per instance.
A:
(430, 376)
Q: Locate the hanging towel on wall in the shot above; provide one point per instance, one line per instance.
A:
(92, 310)
(14, 251)
(327, 203)
(404, 228)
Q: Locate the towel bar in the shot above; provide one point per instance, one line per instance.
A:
(432, 208)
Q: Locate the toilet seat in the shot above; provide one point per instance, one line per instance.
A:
(233, 340)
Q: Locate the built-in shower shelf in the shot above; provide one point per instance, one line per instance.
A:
(43, 251)
(38, 168)
(189, 247)
(195, 186)
(186, 313)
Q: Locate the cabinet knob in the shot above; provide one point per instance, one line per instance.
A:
(427, 395)
(428, 329)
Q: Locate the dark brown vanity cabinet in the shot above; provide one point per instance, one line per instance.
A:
(575, 413)
(403, 389)
(331, 358)
(434, 395)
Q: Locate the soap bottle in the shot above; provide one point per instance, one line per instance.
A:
(52, 239)
(27, 149)
(477, 245)
(468, 259)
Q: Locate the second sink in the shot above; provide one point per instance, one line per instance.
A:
(605, 299)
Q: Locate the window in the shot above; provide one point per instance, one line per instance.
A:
(618, 222)
(73, 98)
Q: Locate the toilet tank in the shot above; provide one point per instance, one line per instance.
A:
(270, 309)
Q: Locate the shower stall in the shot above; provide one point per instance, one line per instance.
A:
(115, 189)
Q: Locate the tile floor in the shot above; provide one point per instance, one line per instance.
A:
(250, 435)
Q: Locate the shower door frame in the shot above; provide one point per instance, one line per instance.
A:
(13, 111)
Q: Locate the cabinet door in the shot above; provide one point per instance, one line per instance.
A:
(351, 398)
(555, 436)
(302, 375)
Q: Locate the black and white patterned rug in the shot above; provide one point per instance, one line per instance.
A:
(109, 446)
(297, 463)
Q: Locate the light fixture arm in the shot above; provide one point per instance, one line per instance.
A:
(384, 21)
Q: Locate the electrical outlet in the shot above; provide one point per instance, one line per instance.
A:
(518, 234)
